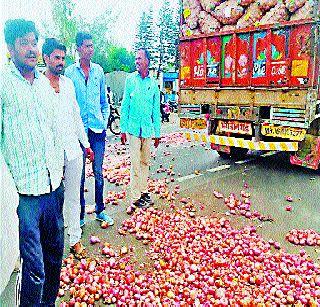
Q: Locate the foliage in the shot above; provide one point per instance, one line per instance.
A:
(118, 58)
(160, 39)
(146, 36)
(168, 24)
(67, 24)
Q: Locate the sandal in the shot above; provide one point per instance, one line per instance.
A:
(78, 250)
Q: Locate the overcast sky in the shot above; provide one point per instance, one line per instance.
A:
(128, 12)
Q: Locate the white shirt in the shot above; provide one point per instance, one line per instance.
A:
(73, 132)
(30, 136)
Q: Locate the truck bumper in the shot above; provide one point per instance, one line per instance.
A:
(241, 143)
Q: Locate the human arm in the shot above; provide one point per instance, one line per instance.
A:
(80, 131)
(105, 107)
(125, 106)
(156, 116)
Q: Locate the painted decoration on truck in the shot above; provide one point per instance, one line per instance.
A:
(197, 62)
(227, 60)
(259, 54)
(242, 59)
(300, 51)
(185, 71)
(279, 72)
(233, 126)
(213, 59)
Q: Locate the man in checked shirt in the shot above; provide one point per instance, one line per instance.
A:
(30, 144)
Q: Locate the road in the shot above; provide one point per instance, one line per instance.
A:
(199, 171)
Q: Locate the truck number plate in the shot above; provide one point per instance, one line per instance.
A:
(234, 126)
(193, 123)
(294, 134)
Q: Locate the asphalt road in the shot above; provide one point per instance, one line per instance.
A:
(199, 171)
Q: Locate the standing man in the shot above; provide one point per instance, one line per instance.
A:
(30, 143)
(54, 53)
(89, 81)
(140, 120)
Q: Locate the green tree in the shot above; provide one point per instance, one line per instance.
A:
(119, 59)
(147, 36)
(168, 24)
(64, 25)
(67, 24)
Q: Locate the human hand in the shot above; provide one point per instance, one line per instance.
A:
(123, 138)
(90, 154)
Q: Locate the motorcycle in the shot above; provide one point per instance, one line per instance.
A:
(165, 112)
(173, 106)
(114, 120)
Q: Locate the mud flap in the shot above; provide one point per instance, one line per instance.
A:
(308, 154)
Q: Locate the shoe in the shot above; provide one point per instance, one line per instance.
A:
(147, 199)
(103, 217)
(78, 250)
(82, 223)
(140, 203)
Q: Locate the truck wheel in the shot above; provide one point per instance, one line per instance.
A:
(223, 155)
(238, 153)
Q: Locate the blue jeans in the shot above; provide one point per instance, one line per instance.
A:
(41, 233)
(97, 144)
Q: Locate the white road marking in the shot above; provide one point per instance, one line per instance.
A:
(212, 170)
(218, 168)
(270, 153)
(188, 177)
(244, 161)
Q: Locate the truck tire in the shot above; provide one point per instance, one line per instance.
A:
(224, 155)
(235, 153)
(238, 153)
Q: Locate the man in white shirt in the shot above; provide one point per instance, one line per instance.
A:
(73, 134)
(31, 147)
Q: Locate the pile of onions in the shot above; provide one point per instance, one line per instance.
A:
(303, 237)
(241, 206)
(114, 197)
(200, 261)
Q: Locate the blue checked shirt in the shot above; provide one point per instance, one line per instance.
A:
(140, 108)
(91, 96)
(30, 136)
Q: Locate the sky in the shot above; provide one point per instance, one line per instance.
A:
(128, 13)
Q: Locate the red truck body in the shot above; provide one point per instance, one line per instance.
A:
(282, 56)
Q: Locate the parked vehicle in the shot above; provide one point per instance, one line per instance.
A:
(114, 120)
(173, 106)
(165, 111)
(253, 85)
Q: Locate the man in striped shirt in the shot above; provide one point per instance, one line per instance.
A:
(30, 143)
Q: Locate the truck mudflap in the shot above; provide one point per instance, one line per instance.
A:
(241, 142)
(308, 154)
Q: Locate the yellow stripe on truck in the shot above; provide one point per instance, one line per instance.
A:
(251, 145)
(242, 143)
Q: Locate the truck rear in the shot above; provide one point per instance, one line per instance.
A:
(249, 76)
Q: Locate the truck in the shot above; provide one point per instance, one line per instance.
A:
(249, 77)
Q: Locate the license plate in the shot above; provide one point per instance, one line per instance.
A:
(294, 134)
(193, 123)
(234, 126)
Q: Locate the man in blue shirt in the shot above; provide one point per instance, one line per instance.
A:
(89, 81)
(140, 121)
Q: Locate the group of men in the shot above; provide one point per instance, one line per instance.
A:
(49, 124)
